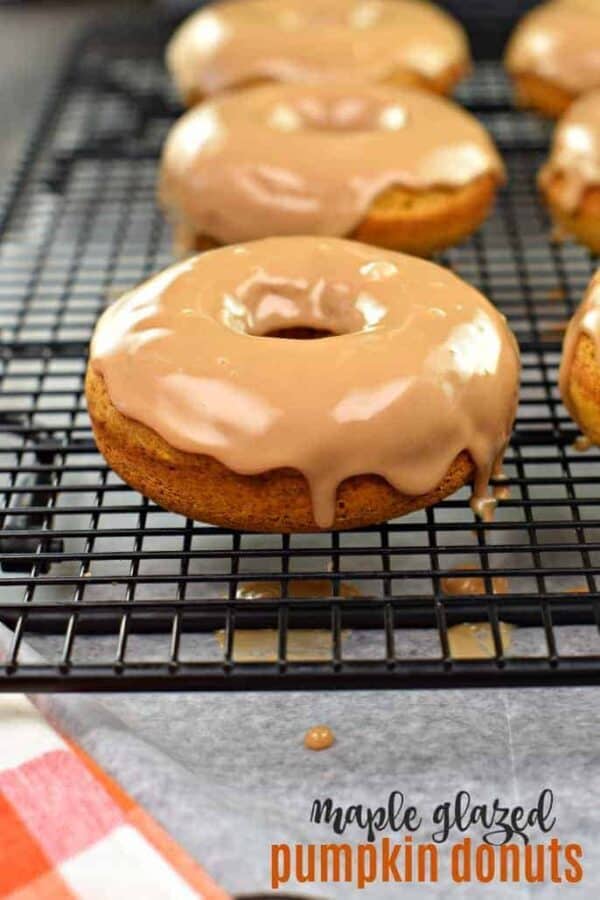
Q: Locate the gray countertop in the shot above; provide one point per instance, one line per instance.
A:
(227, 773)
(32, 40)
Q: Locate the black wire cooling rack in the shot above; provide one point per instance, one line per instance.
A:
(102, 590)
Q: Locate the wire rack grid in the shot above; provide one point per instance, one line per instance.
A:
(103, 590)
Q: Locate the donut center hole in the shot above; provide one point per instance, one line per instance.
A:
(299, 308)
(300, 333)
(345, 113)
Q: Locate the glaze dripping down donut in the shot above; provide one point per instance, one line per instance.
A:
(413, 393)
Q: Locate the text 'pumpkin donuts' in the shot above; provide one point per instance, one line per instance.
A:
(243, 42)
(394, 167)
(196, 403)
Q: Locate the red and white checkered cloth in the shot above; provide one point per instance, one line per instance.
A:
(67, 830)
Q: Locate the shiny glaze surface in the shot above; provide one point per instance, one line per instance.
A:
(585, 321)
(294, 159)
(421, 366)
(575, 152)
(233, 43)
(559, 41)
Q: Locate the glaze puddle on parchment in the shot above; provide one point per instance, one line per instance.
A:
(297, 589)
(474, 640)
(303, 644)
(260, 645)
(469, 585)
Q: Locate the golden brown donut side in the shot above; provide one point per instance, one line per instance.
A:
(201, 488)
(584, 387)
(583, 223)
(416, 222)
(542, 95)
(423, 222)
(444, 83)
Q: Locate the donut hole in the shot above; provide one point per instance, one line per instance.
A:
(299, 308)
(300, 333)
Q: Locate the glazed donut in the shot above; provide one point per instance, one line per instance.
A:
(579, 376)
(553, 55)
(241, 42)
(570, 179)
(204, 398)
(394, 167)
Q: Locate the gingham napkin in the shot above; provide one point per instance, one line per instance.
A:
(67, 830)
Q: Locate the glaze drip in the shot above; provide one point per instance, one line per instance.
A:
(421, 366)
(293, 159)
(235, 43)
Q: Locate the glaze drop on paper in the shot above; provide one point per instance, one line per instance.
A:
(472, 585)
(261, 644)
(297, 589)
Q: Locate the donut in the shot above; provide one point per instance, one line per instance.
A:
(570, 179)
(398, 168)
(243, 42)
(579, 375)
(553, 56)
(204, 397)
